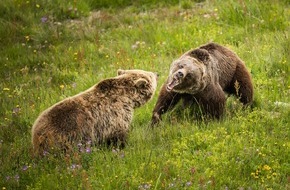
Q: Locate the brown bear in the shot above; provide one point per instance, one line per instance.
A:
(202, 76)
(101, 114)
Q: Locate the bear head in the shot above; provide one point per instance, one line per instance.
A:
(189, 73)
(137, 85)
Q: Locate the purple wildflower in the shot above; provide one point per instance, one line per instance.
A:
(44, 19)
(45, 153)
(75, 166)
(88, 150)
(16, 177)
(24, 168)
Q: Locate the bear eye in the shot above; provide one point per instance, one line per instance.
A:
(180, 66)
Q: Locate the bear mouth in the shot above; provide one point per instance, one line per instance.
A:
(174, 82)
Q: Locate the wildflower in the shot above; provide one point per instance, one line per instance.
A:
(255, 175)
(16, 177)
(44, 19)
(134, 46)
(88, 150)
(189, 183)
(144, 186)
(75, 166)
(74, 85)
(45, 153)
(24, 168)
(266, 167)
(171, 185)
(61, 86)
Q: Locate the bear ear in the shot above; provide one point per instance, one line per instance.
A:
(105, 85)
(200, 54)
(121, 72)
(140, 83)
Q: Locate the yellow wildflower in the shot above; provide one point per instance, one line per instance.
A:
(266, 167)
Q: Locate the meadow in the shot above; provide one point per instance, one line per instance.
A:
(54, 49)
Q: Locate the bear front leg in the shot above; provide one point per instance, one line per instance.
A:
(212, 101)
(166, 100)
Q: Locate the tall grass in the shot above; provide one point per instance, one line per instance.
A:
(52, 50)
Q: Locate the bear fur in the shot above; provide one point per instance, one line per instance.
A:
(101, 114)
(202, 76)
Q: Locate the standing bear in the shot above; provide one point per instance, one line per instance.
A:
(202, 76)
(101, 114)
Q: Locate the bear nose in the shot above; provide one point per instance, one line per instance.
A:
(179, 74)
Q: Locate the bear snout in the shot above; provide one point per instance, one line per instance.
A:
(175, 80)
(179, 74)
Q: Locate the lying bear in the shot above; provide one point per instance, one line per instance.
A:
(101, 114)
(202, 76)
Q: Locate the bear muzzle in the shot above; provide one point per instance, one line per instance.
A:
(175, 80)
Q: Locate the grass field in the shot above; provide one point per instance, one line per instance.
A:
(52, 50)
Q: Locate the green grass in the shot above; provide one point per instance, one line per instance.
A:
(52, 50)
